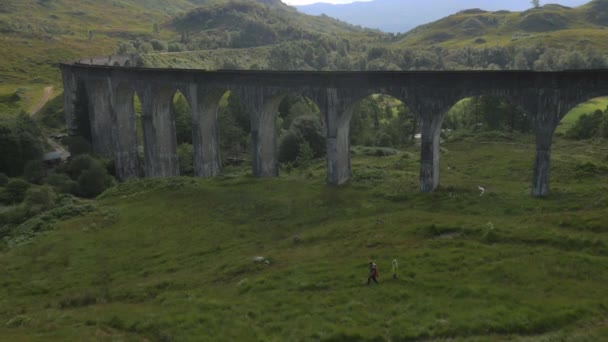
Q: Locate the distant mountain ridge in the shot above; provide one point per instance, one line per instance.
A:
(402, 15)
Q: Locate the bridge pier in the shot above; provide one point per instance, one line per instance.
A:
(101, 117)
(126, 153)
(158, 123)
(70, 90)
(337, 113)
(262, 104)
(542, 163)
(204, 104)
(430, 152)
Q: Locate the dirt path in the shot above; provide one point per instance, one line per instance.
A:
(46, 95)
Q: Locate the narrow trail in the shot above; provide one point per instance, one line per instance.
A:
(46, 95)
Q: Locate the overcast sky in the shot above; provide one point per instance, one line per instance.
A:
(308, 2)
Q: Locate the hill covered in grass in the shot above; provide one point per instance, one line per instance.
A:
(554, 25)
(174, 259)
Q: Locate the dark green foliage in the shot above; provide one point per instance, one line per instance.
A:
(80, 163)
(304, 141)
(39, 199)
(78, 145)
(91, 175)
(3, 179)
(183, 120)
(19, 143)
(186, 164)
(34, 171)
(289, 147)
(590, 126)
(93, 181)
(62, 183)
(380, 120)
(234, 127)
(487, 113)
(15, 190)
(158, 45)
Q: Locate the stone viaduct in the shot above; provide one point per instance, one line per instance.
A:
(545, 96)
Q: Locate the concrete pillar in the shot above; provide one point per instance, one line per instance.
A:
(547, 106)
(70, 91)
(126, 154)
(158, 123)
(263, 105)
(337, 114)
(430, 152)
(101, 117)
(542, 163)
(205, 138)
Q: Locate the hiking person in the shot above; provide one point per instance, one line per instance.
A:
(395, 269)
(373, 272)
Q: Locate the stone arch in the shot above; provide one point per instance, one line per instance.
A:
(204, 104)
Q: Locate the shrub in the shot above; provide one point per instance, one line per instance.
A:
(186, 164)
(62, 183)
(93, 181)
(304, 130)
(79, 164)
(78, 145)
(39, 199)
(15, 190)
(34, 171)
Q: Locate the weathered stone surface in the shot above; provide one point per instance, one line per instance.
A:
(545, 96)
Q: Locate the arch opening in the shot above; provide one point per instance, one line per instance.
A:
(378, 134)
(300, 132)
(487, 145)
(234, 125)
(182, 118)
(578, 153)
(585, 120)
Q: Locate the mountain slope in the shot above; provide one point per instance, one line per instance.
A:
(551, 24)
(402, 16)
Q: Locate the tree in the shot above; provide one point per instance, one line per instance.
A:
(536, 3)
(183, 120)
(19, 143)
(15, 190)
(34, 171)
(94, 180)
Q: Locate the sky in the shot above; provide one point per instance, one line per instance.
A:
(308, 2)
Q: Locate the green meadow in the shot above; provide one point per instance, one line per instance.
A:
(172, 259)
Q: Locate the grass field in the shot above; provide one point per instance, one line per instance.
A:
(589, 107)
(172, 259)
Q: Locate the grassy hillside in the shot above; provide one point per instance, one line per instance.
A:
(173, 259)
(550, 24)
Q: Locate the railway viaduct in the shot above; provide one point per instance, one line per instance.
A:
(545, 96)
